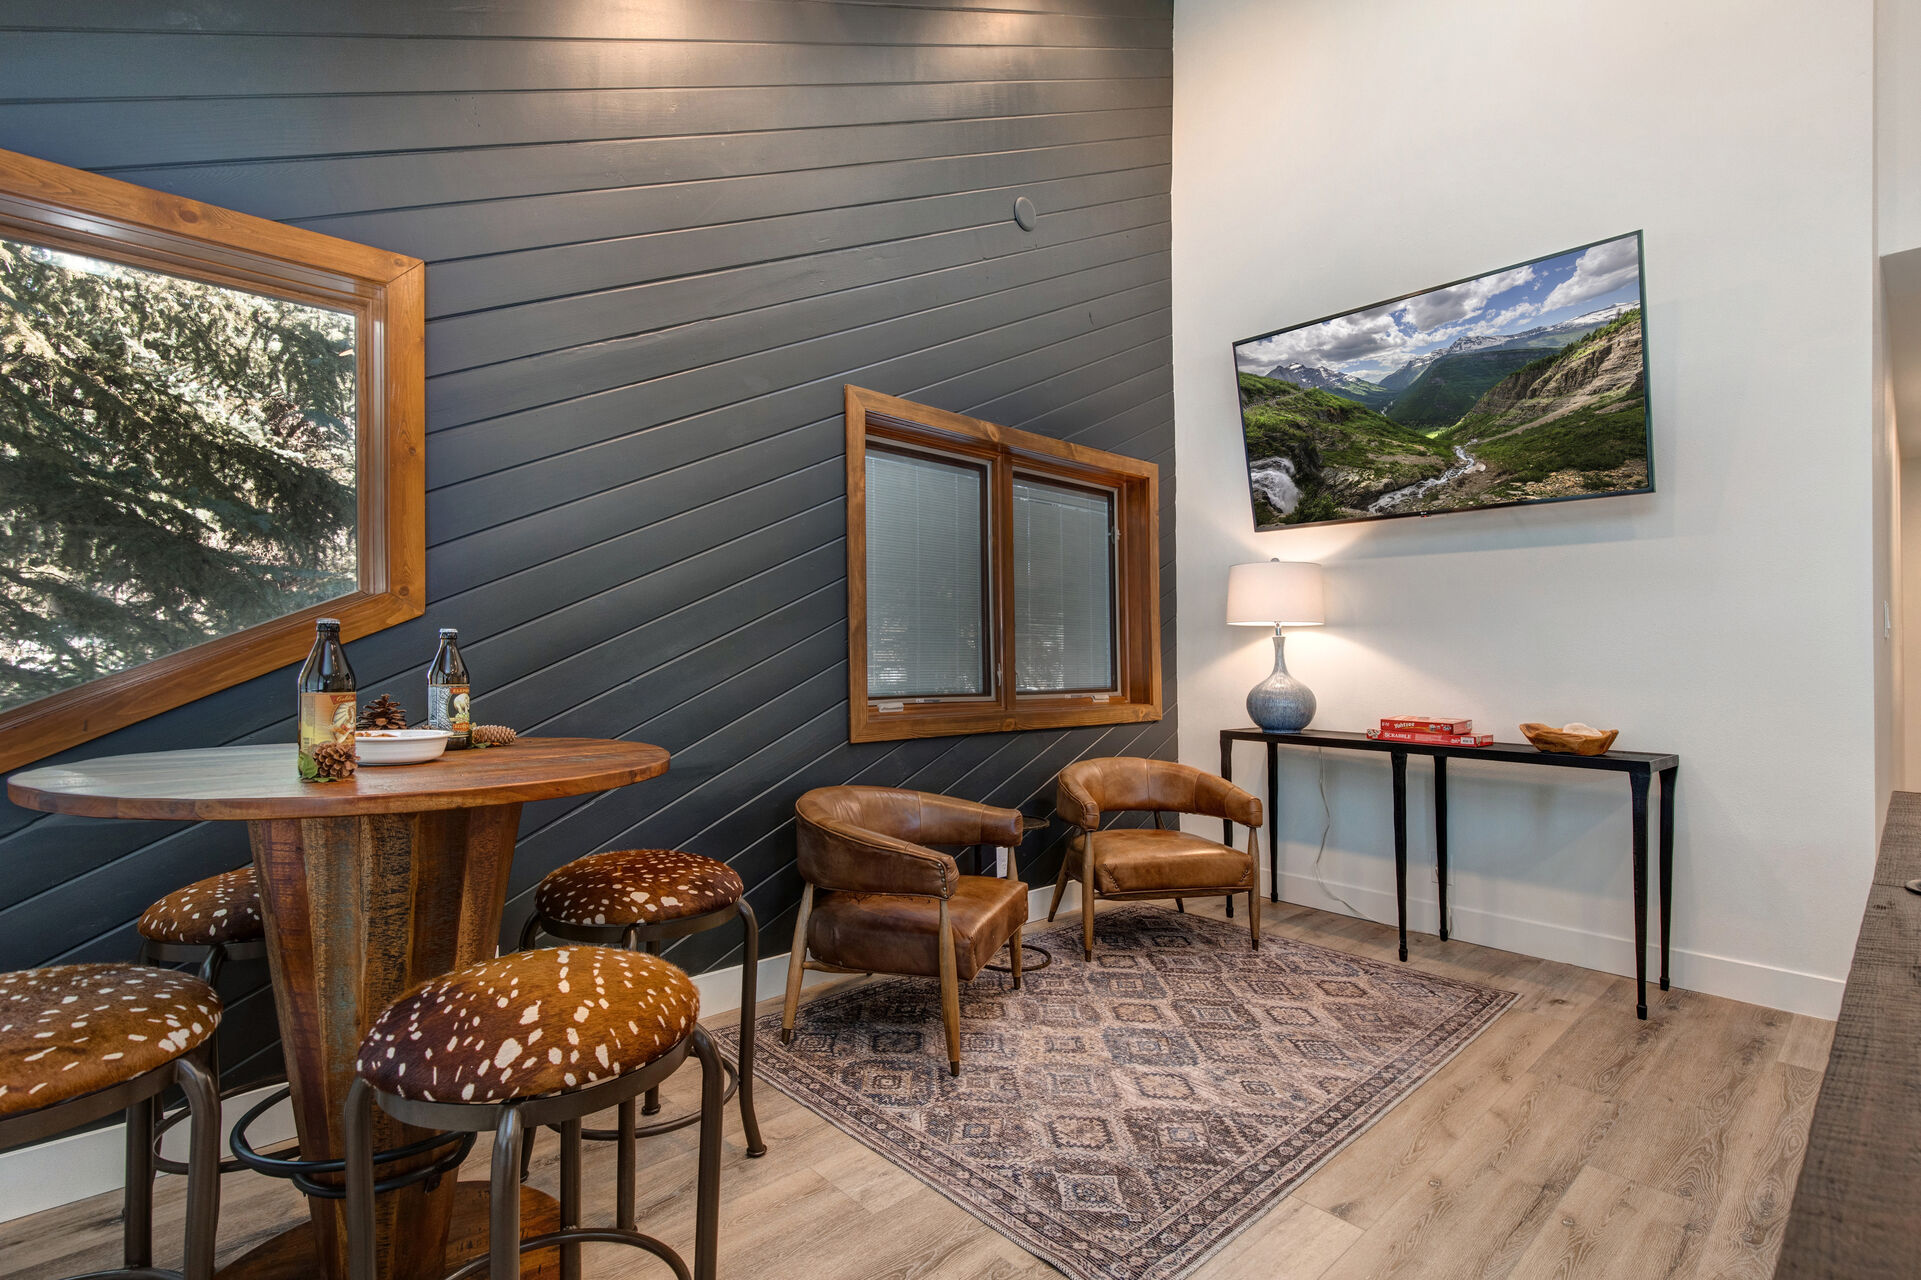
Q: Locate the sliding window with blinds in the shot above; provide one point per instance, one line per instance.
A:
(1064, 623)
(928, 609)
(997, 579)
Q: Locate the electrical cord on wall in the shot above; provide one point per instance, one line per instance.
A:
(1327, 825)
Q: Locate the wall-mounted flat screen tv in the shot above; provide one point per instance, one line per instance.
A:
(1527, 384)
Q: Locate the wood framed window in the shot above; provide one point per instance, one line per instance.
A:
(996, 579)
(211, 433)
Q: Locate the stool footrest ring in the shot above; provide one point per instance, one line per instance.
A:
(167, 1164)
(303, 1173)
(585, 1235)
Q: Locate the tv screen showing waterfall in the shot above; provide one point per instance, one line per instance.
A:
(1527, 384)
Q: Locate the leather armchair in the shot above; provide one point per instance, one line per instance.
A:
(1153, 863)
(878, 900)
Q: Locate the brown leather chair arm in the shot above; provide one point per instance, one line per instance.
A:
(1077, 798)
(1216, 797)
(838, 855)
(945, 820)
(1088, 788)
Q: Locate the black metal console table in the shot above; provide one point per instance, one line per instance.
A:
(1640, 767)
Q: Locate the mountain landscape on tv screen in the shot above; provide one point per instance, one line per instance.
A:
(1522, 385)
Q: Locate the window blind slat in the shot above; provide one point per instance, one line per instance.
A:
(1063, 588)
(926, 624)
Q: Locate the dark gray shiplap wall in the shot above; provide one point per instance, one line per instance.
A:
(661, 234)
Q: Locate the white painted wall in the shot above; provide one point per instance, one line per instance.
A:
(1898, 122)
(1909, 630)
(1329, 155)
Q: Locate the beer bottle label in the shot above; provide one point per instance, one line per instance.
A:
(449, 707)
(324, 718)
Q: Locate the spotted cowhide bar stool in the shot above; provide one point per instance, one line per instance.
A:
(641, 899)
(207, 924)
(80, 1042)
(537, 1038)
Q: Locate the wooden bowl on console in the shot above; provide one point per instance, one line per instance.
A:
(1573, 739)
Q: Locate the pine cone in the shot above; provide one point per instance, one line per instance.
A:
(334, 761)
(493, 735)
(383, 713)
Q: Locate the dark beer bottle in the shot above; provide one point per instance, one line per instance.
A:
(328, 705)
(449, 699)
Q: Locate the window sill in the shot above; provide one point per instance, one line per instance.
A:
(870, 725)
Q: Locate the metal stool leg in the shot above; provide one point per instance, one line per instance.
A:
(650, 1105)
(211, 966)
(569, 1197)
(359, 1153)
(503, 1219)
(707, 1185)
(137, 1223)
(625, 1215)
(749, 998)
(203, 1167)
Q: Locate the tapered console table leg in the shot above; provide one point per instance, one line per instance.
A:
(1667, 863)
(357, 910)
(1440, 835)
(1399, 759)
(1227, 775)
(1274, 822)
(1638, 784)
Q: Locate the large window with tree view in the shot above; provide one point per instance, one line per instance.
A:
(177, 463)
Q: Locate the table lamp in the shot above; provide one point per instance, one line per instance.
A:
(1277, 594)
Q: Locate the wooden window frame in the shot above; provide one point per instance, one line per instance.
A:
(1136, 487)
(81, 212)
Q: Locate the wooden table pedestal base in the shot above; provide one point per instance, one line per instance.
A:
(291, 1254)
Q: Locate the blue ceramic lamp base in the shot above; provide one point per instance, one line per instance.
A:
(1280, 703)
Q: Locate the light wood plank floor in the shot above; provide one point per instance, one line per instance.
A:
(1570, 1140)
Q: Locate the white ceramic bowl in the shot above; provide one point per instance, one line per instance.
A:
(399, 746)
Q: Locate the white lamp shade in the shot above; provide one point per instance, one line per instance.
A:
(1275, 593)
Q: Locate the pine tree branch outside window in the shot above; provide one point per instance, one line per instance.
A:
(210, 433)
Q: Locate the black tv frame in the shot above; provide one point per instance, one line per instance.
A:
(1647, 415)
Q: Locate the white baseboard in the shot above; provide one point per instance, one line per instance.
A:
(1788, 989)
(78, 1165)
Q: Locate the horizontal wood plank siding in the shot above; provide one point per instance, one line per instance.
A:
(661, 235)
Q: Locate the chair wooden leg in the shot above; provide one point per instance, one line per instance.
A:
(796, 966)
(203, 1167)
(1254, 890)
(1014, 956)
(949, 990)
(1180, 905)
(1060, 885)
(1087, 894)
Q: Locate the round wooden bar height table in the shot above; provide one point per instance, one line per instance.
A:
(368, 887)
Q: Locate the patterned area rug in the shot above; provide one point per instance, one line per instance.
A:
(1125, 1118)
